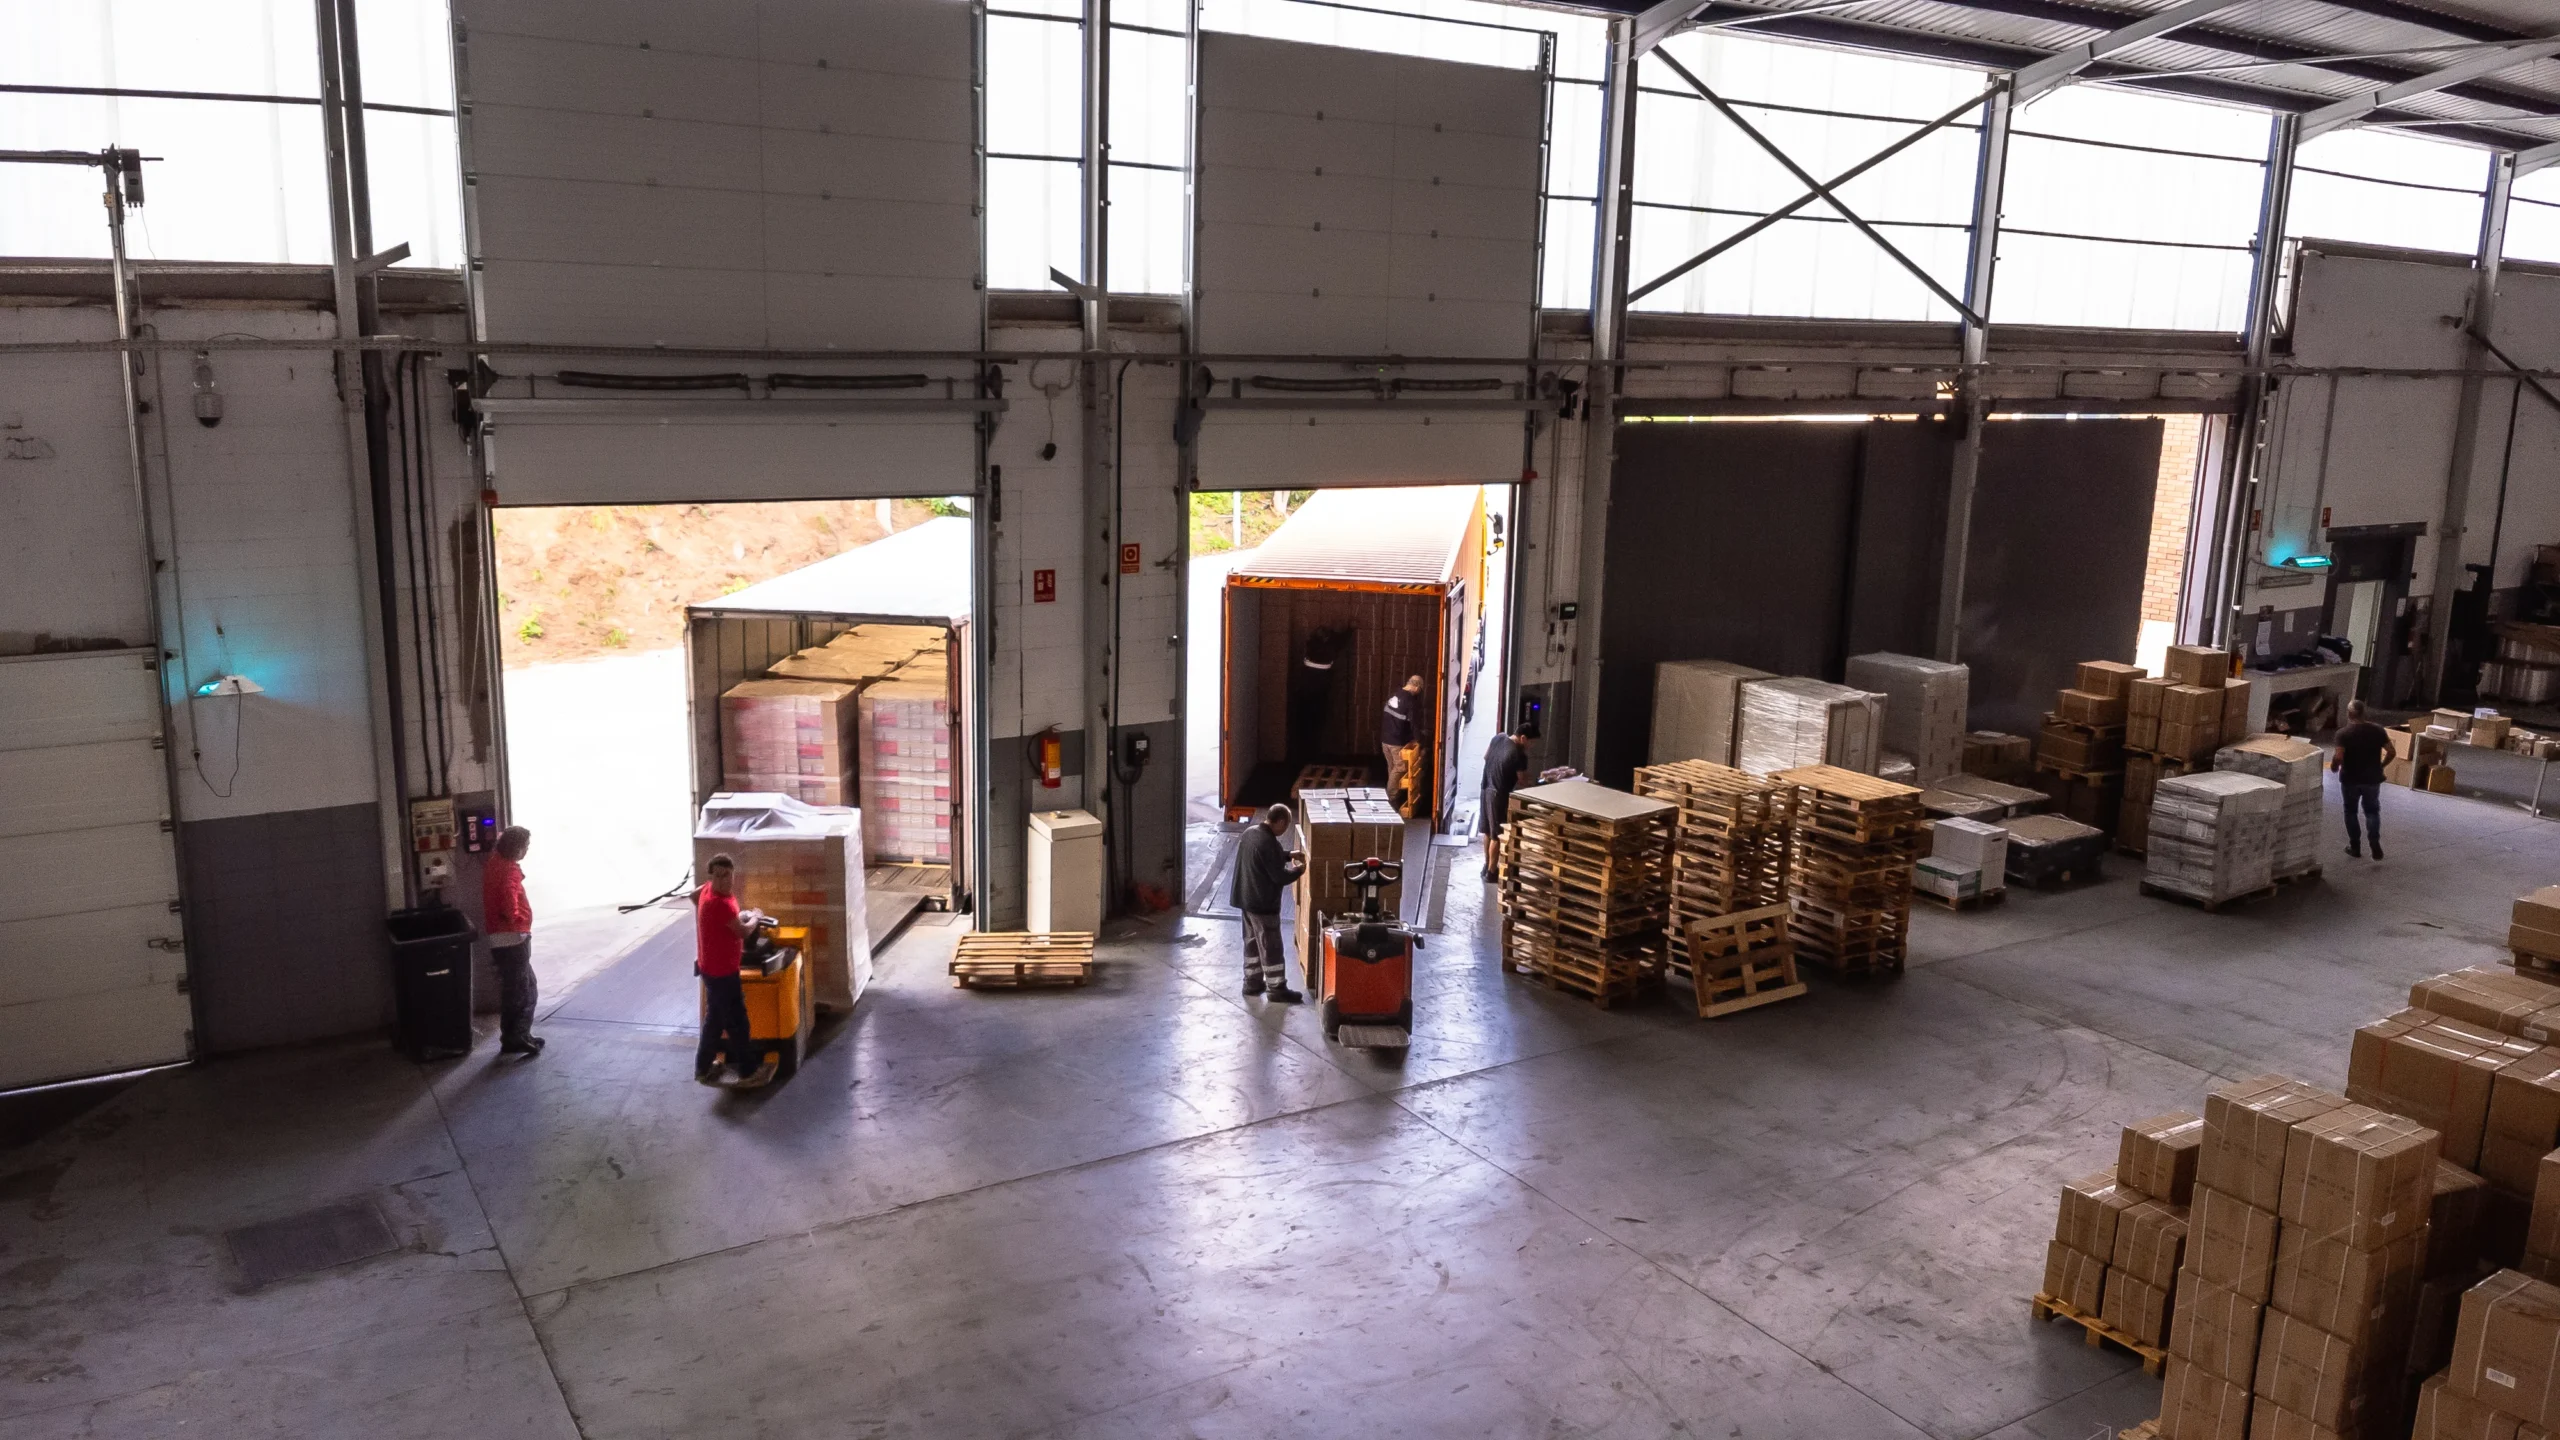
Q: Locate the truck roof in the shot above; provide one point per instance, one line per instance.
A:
(1400, 536)
(919, 575)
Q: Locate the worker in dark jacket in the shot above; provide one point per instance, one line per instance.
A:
(1399, 726)
(1263, 872)
(1505, 761)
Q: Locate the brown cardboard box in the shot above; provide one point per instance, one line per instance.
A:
(2197, 665)
(2505, 1345)
(2082, 707)
(2075, 1279)
(2232, 1244)
(2524, 1120)
(2505, 1219)
(2441, 780)
(2360, 1174)
(2142, 732)
(2269, 1421)
(2489, 732)
(2192, 705)
(2106, 677)
(2156, 1158)
(2457, 721)
(2435, 1070)
(2143, 697)
(2445, 1413)
(1996, 755)
(2246, 1125)
(2216, 1329)
(2432, 1320)
(2495, 997)
(2139, 1309)
(2314, 1374)
(2542, 1232)
(2151, 1239)
(2359, 1295)
(2539, 910)
(2073, 749)
(2091, 1207)
(2454, 1221)
(2191, 744)
(2533, 941)
(2198, 1405)
(2235, 708)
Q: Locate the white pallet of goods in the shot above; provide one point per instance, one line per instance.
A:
(1925, 708)
(1792, 722)
(1947, 879)
(1697, 705)
(2296, 765)
(1972, 842)
(2213, 835)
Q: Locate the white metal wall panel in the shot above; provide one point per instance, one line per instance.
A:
(91, 964)
(1292, 450)
(640, 462)
(1351, 202)
(787, 173)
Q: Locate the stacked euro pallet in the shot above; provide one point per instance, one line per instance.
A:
(1849, 872)
(1586, 890)
(1729, 844)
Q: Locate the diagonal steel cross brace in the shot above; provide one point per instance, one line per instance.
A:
(1821, 190)
(1807, 198)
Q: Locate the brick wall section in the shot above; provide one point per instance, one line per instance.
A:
(2171, 503)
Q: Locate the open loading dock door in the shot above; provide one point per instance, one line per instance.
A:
(1396, 577)
(831, 621)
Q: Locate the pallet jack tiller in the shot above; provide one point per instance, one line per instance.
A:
(1367, 986)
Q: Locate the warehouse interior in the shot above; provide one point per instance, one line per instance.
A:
(1932, 476)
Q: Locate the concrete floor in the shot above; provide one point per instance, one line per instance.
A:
(1151, 1208)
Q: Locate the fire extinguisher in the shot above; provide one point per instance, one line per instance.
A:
(1048, 758)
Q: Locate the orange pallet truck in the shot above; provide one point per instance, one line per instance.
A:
(1367, 986)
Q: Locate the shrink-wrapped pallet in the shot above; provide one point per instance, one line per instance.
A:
(801, 864)
(1924, 708)
(2294, 764)
(2213, 834)
(1791, 722)
(1696, 704)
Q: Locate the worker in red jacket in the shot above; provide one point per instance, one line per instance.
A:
(720, 932)
(508, 917)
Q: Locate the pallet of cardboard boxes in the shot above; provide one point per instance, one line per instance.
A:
(1342, 826)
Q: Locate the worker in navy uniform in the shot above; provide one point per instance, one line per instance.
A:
(1399, 726)
(1311, 692)
(1263, 872)
(1505, 761)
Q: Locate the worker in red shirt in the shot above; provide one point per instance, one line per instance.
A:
(720, 931)
(508, 917)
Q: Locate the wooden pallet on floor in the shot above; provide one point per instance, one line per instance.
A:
(2163, 892)
(2539, 967)
(1020, 960)
(1958, 904)
(2099, 1333)
(1741, 961)
(2147, 1430)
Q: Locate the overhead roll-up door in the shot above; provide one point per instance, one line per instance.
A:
(92, 956)
(1359, 204)
(796, 175)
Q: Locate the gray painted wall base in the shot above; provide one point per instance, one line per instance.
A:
(285, 937)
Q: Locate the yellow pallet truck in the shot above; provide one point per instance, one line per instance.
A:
(782, 1006)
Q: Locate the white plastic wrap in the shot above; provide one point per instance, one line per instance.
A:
(2213, 834)
(801, 864)
(1925, 708)
(1791, 721)
(2296, 765)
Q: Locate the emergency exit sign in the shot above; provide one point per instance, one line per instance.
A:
(1044, 586)
(1128, 559)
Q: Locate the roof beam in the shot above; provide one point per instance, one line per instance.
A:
(2538, 158)
(2354, 108)
(2051, 72)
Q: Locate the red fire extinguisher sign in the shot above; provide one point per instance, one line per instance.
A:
(1044, 586)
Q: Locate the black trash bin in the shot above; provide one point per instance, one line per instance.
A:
(431, 981)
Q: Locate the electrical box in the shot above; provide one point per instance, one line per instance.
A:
(479, 829)
(1066, 871)
(433, 835)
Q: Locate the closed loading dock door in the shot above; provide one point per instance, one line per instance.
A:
(1791, 545)
(92, 967)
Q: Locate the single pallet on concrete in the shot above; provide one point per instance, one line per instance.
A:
(1958, 904)
(2097, 1332)
(1014, 960)
(2208, 906)
(1741, 961)
(2147, 1430)
(2299, 877)
(2540, 967)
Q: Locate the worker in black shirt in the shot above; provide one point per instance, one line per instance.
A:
(1263, 872)
(2362, 748)
(1505, 761)
(1398, 727)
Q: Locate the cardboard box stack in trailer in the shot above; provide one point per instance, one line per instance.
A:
(906, 766)
(790, 737)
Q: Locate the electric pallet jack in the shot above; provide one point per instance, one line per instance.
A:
(1367, 986)
(781, 1003)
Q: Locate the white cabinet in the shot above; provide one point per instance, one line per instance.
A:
(1066, 871)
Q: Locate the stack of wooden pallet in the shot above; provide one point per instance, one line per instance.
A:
(1729, 847)
(1586, 888)
(1856, 839)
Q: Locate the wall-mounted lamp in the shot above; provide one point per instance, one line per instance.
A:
(2307, 562)
(208, 392)
(231, 685)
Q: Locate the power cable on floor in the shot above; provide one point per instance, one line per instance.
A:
(671, 892)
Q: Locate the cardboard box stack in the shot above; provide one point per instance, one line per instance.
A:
(2080, 751)
(802, 865)
(1849, 873)
(2296, 765)
(2011, 800)
(1343, 827)
(907, 764)
(2212, 836)
(1790, 722)
(862, 654)
(1967, 858)
(1925, 705)
(790, 737)
(2533, 928)
(1696, 704)
(1996, 755)
(2043, 849)
(1586, 890)
(2504, 1376)
(1729, 845)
